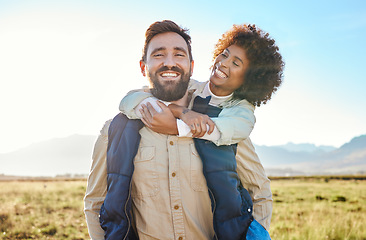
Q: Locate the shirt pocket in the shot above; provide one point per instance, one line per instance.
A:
(198, 180)
(145, 179)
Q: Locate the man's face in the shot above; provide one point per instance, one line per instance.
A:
(168, 66)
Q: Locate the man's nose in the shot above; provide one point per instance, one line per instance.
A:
(169, 61)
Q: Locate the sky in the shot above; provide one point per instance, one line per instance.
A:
(65, 65)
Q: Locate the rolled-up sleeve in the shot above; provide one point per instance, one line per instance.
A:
(235, 123)
(96, 189)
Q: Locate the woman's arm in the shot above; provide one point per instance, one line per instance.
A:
(163, 122)
(235, 123)
(130, 103)
(134, 101)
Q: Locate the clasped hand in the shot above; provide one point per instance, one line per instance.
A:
(198, 123)
(165, 121)
(160, 122)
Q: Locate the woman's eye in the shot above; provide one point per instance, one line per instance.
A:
(236, 64)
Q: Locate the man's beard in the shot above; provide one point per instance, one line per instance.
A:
(169, 90)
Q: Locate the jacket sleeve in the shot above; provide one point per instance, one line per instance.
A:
(131, 101)
(235, 123)
(97, 185)
(255, 180)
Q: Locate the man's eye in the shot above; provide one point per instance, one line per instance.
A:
(180, 55)
(236, 64)
(157, 55)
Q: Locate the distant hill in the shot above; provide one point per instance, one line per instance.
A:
(59, 156)
(306, 147)
(350, 158)
(72, 155)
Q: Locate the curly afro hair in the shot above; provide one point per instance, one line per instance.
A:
(264, 75)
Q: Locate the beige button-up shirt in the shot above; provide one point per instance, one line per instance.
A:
(169, 191)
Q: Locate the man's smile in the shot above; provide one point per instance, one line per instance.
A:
(169, 74)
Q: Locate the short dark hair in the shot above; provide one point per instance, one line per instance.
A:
(163, 27)
(264, 74)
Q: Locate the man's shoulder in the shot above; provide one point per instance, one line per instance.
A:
(104, 130)
(195, 84)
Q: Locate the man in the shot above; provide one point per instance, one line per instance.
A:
(168, 188)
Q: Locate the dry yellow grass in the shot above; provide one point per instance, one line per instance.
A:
(318, 209)
(42, 210)
(303, 209)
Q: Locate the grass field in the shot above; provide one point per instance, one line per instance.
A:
(313, 208)
(319, 209)
(42, 210)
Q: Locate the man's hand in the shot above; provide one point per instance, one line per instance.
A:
(163, 122)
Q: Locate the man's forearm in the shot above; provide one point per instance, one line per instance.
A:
(262, 208)
(92, 219)
(255, 180)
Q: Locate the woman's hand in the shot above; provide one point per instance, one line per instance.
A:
(163, 122)
(196, 121)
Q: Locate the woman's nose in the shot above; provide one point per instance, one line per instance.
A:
(222, 63)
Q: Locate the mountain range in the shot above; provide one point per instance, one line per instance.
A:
(72, 156)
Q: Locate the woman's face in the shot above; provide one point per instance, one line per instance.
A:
(228, 71)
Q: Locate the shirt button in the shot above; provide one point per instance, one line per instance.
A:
(173, 174)
(171, 143)
(180, 238)
(176, 207)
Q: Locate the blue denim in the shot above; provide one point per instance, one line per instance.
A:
(257, 232)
